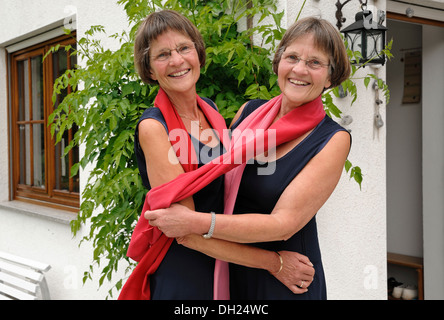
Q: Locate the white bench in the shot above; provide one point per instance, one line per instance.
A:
(22, 279)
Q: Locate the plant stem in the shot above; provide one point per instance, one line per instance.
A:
(300, 11)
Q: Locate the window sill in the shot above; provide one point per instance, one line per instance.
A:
(30, 209)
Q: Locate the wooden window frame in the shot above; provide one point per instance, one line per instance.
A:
(418, 20)
(47, 195)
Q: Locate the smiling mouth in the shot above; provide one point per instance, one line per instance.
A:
(180, 73)
(299, 82)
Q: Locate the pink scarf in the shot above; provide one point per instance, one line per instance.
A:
(294, 124)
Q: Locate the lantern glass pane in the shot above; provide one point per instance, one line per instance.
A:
(355, 41)
(374, 44)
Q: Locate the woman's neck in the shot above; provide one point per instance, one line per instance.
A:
(185, 104)
(286, 107)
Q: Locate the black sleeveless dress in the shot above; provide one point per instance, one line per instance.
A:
(184, 273)
(259, 194)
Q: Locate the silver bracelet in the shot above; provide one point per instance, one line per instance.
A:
(213, 222)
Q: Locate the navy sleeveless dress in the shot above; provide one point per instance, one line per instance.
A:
(184, 273)
(259, 194)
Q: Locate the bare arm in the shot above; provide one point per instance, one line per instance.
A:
(155, 145)
(295, 267)
(300, 201)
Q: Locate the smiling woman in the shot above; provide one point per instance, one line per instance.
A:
(303, 82)
(326, 40)
(150, 30)
(176, 68)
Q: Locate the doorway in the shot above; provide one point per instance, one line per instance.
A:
(415, 152)
(404, 148)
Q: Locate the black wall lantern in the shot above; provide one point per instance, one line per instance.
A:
(366, 35)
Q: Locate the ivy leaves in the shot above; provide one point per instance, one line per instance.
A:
(237, 69)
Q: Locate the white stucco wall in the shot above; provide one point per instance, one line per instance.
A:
(351, 224)
(28, 234)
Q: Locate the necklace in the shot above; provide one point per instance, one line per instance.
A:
(200, 123)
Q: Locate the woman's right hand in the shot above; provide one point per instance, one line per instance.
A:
(297, 271)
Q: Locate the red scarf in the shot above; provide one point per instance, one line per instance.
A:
(148, 244)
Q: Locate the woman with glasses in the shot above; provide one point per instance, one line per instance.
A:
(169, 51)
(276, 211)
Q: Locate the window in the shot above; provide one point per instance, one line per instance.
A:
(40, 170)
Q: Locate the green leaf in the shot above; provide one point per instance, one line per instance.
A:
(366, 81)
(127, 89)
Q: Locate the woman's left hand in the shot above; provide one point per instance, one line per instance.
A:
(173, 222)
(297, 271)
